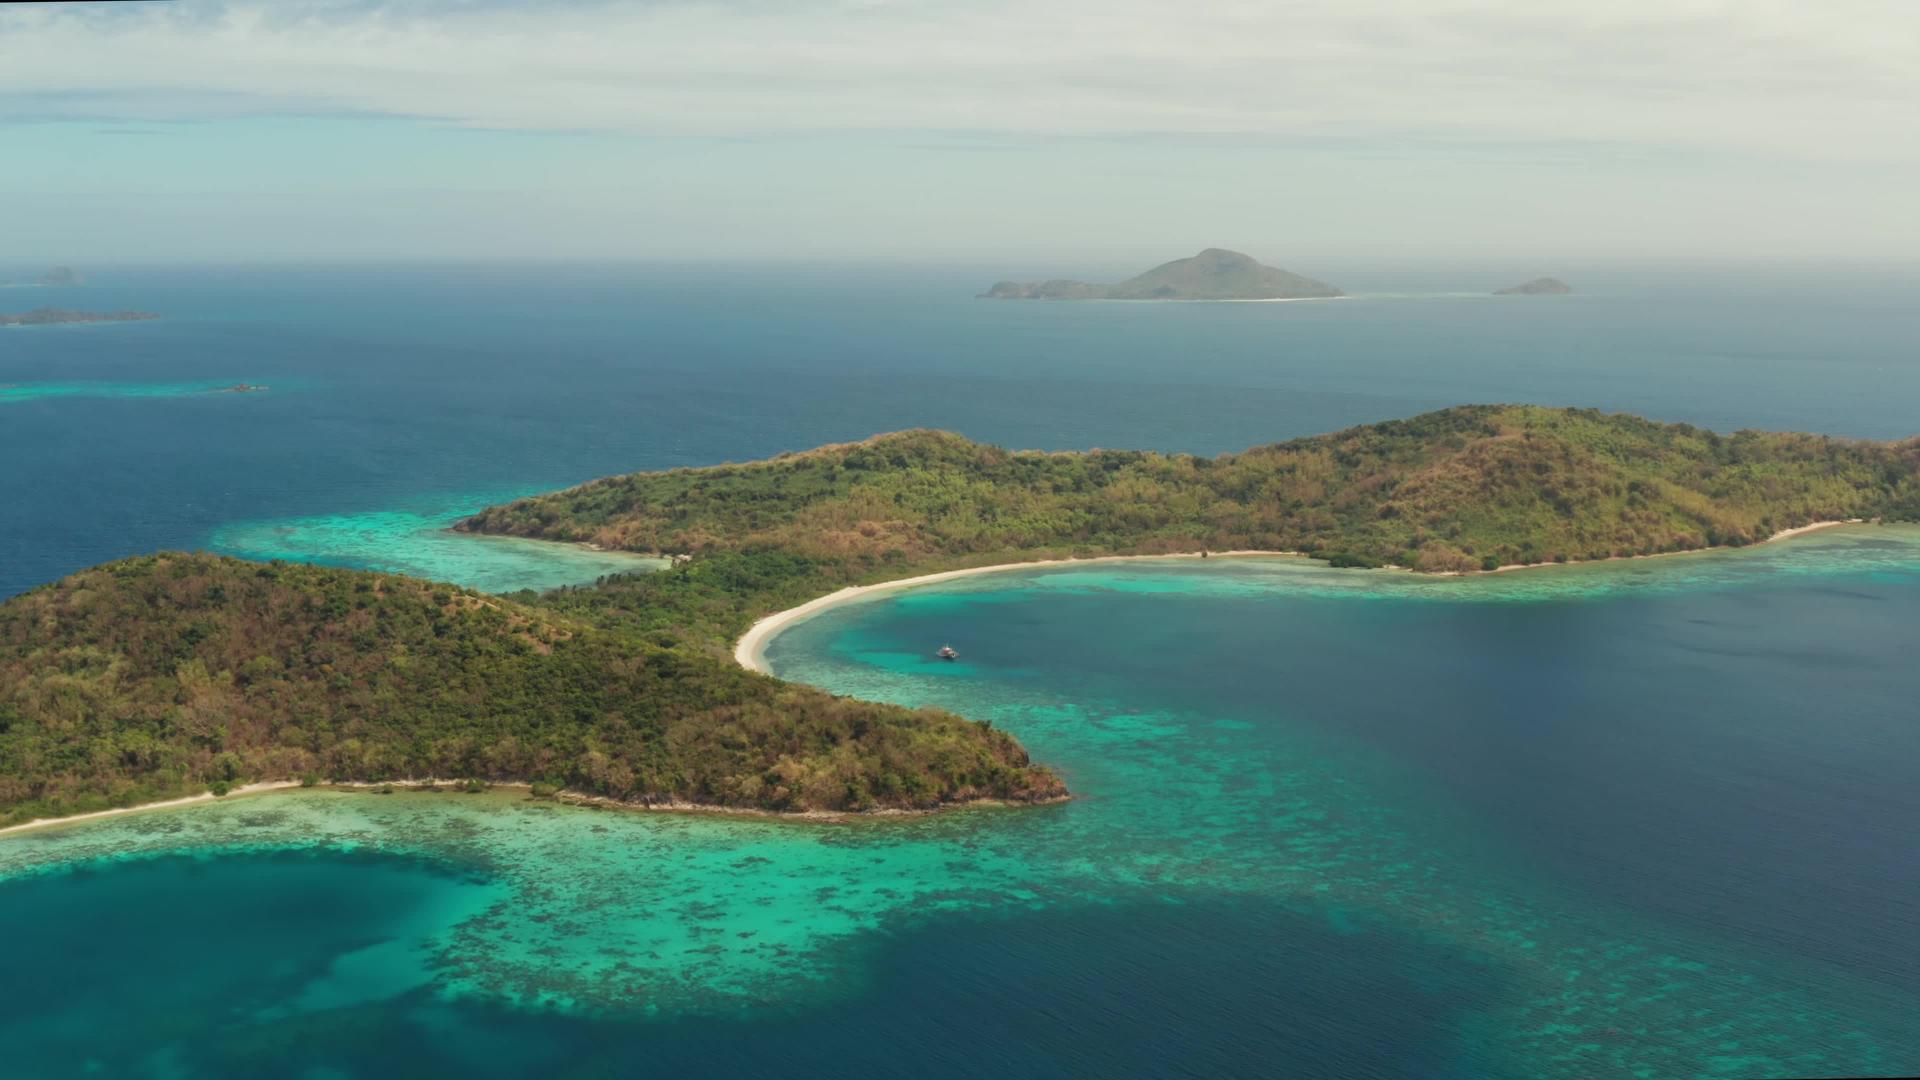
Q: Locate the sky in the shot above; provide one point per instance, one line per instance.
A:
(1046, 131)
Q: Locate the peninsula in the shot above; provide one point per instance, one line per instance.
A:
(1542, 286)
(1214, 274)
(49, 316)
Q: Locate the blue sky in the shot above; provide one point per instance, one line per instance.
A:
(909, 128)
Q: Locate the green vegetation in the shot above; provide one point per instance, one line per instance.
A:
(174, 674)
(1464, 489)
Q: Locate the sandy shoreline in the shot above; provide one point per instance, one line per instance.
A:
(750, 651)
(187, 800)
(562, 797)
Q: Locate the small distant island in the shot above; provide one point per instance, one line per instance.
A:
(241, 388)
(50, 316)
(1214, 274)
(58, 275)
(1540, 286)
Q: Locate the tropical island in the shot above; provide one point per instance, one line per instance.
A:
(1214, 274)
(1464, 489)
(167, 675)
(49, 316)
(1541, 286)
(170, 674)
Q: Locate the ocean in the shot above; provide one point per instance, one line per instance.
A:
(401, 397)
(1642, 818)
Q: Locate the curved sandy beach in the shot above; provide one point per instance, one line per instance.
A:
(750, 651)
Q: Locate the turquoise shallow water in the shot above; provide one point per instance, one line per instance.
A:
(26, 392)
(1645, 818)
(419, 542)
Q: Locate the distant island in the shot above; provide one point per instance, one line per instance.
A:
(49, 316)
(1540, 286)
(1214, 274)
(172, 674)
(58, 275)
(240, 388)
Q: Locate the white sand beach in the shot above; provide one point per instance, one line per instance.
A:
(750, 651)
(205, 796)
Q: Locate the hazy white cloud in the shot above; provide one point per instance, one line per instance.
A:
(1838, 80)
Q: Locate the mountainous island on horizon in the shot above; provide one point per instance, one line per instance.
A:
(1540, 286)
(1214, 274)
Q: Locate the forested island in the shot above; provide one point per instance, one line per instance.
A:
(169, 674)
(1464, 489)
(48, 316)
(1214, 274)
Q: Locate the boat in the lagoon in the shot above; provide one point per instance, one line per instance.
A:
(947, 652)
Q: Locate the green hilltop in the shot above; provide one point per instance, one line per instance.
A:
(169, 674)
(1464, 489)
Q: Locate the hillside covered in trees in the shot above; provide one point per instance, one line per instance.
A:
(169, 674)
(1464, 489)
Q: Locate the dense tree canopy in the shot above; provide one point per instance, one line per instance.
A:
(165, 674)
(1468, 488)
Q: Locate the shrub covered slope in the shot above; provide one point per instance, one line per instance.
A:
(167, 674)
(1469, 488)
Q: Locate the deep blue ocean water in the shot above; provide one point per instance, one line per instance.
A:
(439, 389)
(1651, 818)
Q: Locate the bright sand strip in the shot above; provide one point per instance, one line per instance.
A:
(751, 651)
(205, 796)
